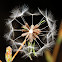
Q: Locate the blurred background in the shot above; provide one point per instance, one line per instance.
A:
(5, 10)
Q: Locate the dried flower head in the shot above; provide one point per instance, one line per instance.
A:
(31, 33)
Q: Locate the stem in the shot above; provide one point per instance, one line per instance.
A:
(0, 61)
(18, 50)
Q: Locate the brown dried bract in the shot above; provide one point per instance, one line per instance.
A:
(32, 32)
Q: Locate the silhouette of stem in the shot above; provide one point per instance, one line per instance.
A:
(58, 43)
(48, 56)
(53, 57)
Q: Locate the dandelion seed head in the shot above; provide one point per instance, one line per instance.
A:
(32, 33)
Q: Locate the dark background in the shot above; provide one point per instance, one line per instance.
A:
(7, 5)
